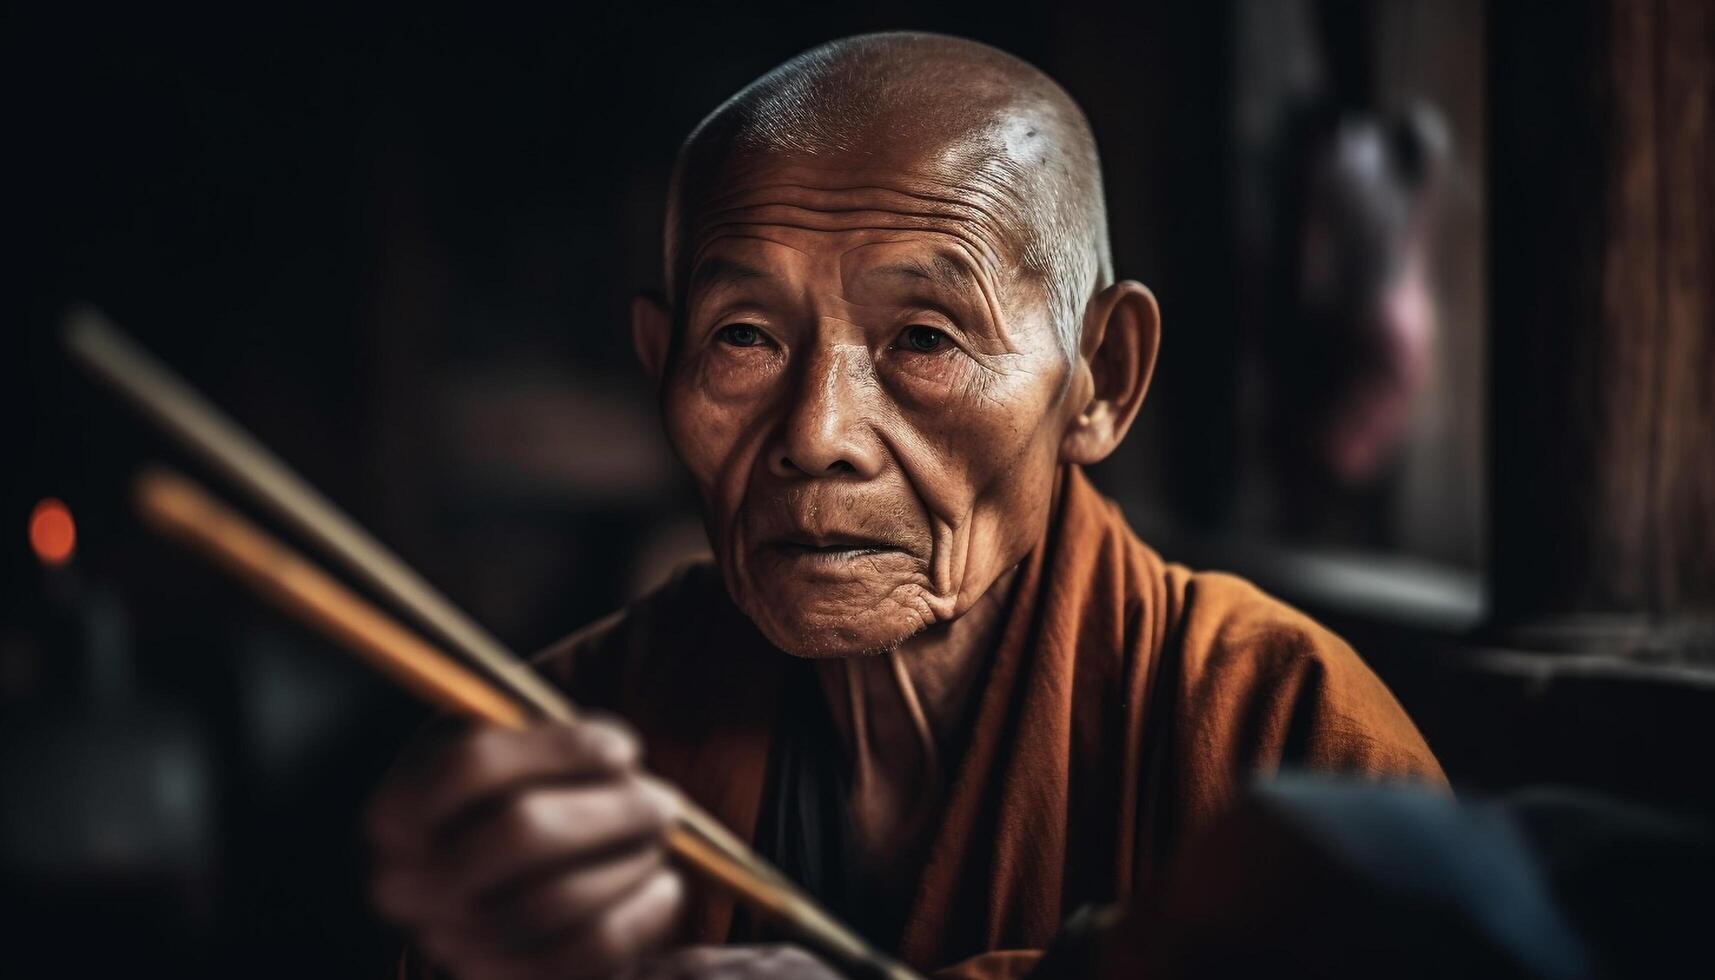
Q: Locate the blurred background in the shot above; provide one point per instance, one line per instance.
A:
(1436, 365)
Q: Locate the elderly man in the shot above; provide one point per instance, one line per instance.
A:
(931, 673)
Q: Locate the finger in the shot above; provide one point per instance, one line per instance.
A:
(535, 831)
(538, 834)
(416, 893)
(531, 916)
(539, 916)
(761, 962)
(398, 894)
(605, 945)
(787, 960)
(701, 962)
(460, 771)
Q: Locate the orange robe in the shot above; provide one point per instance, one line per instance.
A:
(1128, 702)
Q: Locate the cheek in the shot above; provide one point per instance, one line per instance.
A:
(983, 456)
(1012, 512)
(1009, 511)
(708, 420)
(978, 433)
(702, 431)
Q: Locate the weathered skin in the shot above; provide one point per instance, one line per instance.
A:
(870, 403)
(867, 367)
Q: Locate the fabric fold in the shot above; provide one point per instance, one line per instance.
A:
(1127, 703)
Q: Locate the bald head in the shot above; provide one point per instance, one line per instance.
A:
(966, 115)
(892, 322)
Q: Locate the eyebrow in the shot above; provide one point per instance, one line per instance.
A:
(722, 272)
(940, 270)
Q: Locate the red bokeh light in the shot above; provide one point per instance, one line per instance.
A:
(53, 534)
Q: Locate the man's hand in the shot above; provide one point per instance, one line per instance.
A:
(526, 854)
(736, 963)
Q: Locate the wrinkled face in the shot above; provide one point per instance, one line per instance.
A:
(870, 400)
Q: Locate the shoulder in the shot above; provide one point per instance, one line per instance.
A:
(1252, 666)
(1228, 625)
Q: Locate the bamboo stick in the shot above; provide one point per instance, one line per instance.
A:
(183, 413)
(178, 508)
(187, 416)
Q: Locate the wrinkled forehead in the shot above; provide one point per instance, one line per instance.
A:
(966, 192)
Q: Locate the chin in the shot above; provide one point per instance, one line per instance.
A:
(816, 642)
(814, 623)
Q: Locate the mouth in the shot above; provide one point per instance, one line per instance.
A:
(832, 546)
(832, 538)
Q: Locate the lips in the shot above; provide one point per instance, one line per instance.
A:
(831, 528)
(839, 557)
(842, 560)
(832, 544)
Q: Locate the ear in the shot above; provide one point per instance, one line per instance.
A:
(1122, 330)
(651, 333)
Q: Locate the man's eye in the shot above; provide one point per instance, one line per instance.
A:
(924, 340)
(740, 335)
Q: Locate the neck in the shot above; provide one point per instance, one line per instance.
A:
(897, 713)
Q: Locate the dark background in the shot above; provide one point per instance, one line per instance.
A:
(399, 245)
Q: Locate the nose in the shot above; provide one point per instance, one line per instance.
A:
(826, 430)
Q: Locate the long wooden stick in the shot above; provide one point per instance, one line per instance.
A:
(187, 416)
(183, 413)
(180, 509)
(166, 399)
(173, 505)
